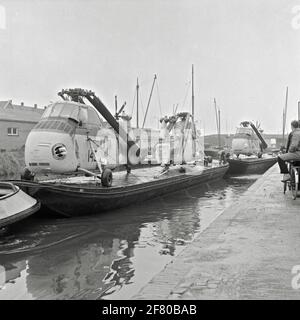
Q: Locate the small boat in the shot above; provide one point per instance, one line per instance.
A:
(85, 195)
(250, 165)
(15, 204)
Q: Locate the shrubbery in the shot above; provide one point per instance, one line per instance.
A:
(11, 163)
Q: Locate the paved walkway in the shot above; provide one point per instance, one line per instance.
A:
(248, 252)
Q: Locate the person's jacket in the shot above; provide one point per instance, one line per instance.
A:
(295, 141)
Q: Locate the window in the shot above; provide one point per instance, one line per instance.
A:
(67, 111)
(244, 130)
(12, 131)
(63, 110)
(56, 109)
(47, 111)
(93, 117)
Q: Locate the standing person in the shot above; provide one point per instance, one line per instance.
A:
(292, 150)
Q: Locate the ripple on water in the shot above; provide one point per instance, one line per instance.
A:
(110, 255)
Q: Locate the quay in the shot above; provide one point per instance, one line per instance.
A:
(248, 252)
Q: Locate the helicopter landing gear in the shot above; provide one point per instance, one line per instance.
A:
(128, 168)
(106, 178)
(27, 175)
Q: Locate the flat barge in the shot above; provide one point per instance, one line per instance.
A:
(250, 165)
(85, 195)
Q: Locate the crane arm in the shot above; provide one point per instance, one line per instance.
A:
(78, 94)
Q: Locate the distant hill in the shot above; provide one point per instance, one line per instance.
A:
(212, 139)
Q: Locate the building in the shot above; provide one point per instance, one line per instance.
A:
(16, 121)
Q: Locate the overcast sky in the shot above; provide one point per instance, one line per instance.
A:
(245, 53)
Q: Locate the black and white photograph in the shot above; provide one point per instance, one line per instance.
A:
(149, 151)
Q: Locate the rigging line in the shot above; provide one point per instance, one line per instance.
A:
(160, 112)
(94, 141)
(99, 146)
(187, 91)
(141, 101)
(175, 110)
(149, 100)
(216, 114)
(133, 104)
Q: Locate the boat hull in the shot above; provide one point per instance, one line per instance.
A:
(16, 206)
(72, 200)
(250, 165)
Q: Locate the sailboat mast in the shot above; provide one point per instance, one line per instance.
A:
(216, 114)
(219, 129)
(217, 120)
(193, 97)
(283, 127)
(116, 107)
(284, 114)
(137, 102)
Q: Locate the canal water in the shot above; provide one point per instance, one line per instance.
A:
(111, 255)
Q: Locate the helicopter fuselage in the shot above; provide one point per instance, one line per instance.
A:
(68, 136)
(245, 142)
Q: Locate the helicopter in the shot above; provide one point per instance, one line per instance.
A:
(248, 140)
(72, 136)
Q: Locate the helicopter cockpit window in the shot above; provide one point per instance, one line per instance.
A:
(82, 116)
(247, 131)
(56, 110)
(62, 110)
(72, 113)
(47, 111)
(93, 117)
(67, 111)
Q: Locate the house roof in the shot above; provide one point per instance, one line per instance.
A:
(13, 112)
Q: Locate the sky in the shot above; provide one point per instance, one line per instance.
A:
(245, 53)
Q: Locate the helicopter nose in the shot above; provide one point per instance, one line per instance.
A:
(50, 152)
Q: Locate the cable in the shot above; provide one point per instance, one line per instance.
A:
(160, 112)
(133, 103)
(187, 91)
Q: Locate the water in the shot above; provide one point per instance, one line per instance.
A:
(111, 255)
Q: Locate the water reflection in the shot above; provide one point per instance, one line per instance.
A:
(111, 255)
